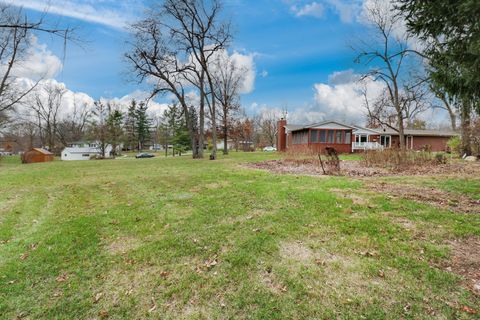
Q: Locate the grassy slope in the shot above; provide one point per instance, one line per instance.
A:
(203, 239)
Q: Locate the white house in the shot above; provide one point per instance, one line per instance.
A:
(230, 144)
(83, 151)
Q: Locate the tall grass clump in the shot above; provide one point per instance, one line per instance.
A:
(401, 159)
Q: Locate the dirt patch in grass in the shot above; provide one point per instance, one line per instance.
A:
(349, 194)
(435, 197)
(123, 244)
(465, 261)
(288, 166)
(295, 251)
(359, 169)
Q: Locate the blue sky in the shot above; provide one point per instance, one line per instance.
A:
(292, 52)
(300, 49)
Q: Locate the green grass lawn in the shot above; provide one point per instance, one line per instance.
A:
(175, 238)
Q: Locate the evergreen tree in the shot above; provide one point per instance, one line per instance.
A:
(115, 130)
(143, 125)
(451, 34)
(174, 129)
(99, 126)
(130, 126)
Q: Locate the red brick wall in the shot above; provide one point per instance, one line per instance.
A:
(437, 144)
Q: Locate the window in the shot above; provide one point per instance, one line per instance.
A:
(348, 137)
(385, 141)
(339, 137)
(323, 136)
(305, 137)
(85, 155)
(313, 136)
(300, 137)
(331, 136)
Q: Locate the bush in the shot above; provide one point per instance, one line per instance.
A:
(455, 144)
(398, 159)
(440, 158)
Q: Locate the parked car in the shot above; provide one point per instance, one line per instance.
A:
(269, 149)
(144, 155)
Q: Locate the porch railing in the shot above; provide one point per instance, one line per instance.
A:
(366, 146)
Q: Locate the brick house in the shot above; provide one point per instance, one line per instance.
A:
(315, 137)
(348, 138)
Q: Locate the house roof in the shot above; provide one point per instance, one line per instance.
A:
(81, 150)
(416, 132)
(360, 130)
(291, 127)
(42, 151)
(411, 132)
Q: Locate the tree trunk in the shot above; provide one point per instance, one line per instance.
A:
(466, 138)
(401, 131)
(453, 119)
(201, 116)
(225, 135)
(213, 155)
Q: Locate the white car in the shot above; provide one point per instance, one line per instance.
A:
(269, 149)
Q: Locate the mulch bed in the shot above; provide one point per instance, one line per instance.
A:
(433, 196)
(358, 169)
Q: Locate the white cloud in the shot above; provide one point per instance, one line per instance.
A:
(154, 108)
(348, 11)
(246, 63)
(111, 13)
(313, 9)
(340, 99)
(37, 63)
(264, 74)
(69, 98)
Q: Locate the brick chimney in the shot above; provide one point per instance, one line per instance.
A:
(281, 137)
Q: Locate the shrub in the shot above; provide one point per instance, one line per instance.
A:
(399, 159)
(454, 144)
(440, 158)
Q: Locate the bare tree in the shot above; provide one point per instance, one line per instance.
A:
(389, 55)
(414, 101)
(227, 78)
(154, 57)
(15, 37)
(73, 126)
(201, 34)
(47, 103)
(13, 42)
(448, 104)
(267, 123)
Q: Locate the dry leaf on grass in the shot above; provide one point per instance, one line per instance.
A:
(103, 314)
(469, 310)
(97, 297)
(62, 278)
(154, 306)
